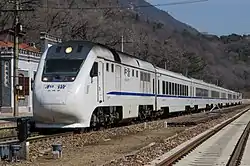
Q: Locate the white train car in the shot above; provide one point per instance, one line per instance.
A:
(81, 84)
(173, 92)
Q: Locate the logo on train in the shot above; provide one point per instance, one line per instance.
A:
(61, 86)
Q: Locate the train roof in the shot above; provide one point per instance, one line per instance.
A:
(173, 74)
(124, 58)
(118, 56)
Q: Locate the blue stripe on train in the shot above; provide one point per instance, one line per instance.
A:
(151, 95)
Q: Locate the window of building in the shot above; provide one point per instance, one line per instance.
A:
(107, 67)
(112, 67)
(24, 82)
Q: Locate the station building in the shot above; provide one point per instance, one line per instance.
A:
(28, 60)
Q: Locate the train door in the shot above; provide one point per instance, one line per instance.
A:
(100, 81)
(118, 78)
(191, 94)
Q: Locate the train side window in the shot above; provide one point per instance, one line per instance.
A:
(182, 90)
(153, 85)
(163, 87)
(185, 90)
(158, 86)
(112, 68)
(94, 70)
(175, 89)
(170, 88)
(167, 88)
(107, 67)
(137, 73)
(178, 89)
(181, 93)
(133, 72)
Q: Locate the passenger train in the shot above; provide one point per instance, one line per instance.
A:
(81, 84)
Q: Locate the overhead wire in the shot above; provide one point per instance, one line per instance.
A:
(127, 7)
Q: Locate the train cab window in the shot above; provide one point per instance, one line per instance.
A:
(133, 72)
(107, 67)
(94, 70)
(112, 68)
(79, 48)
(58, 49)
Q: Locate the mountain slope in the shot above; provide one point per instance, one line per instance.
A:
(154, 14)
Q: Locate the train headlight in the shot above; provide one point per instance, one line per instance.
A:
(45, 79)
(68, 50)
(72, 78)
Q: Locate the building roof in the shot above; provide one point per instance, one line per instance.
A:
(21, 46)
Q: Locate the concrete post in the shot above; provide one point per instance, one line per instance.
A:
(24, 152)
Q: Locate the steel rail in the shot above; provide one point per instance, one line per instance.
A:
(8, 128)
(184, 151)
(35, 138)
(239, 148)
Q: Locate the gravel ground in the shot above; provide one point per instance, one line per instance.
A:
(146, 155)
(97, 148)
(6, 124)
(8, 133)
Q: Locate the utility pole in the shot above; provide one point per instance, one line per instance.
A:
(16, 52)
(17, 29)
(122, 43)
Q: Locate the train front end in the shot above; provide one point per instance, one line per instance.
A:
(57, 86)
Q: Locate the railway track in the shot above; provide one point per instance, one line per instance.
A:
(8, 128)
(34, 138)
(198, 118)
(222, 145)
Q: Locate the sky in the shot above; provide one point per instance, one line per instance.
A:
(219, 17)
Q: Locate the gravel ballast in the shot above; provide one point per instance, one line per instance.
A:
(118, 146)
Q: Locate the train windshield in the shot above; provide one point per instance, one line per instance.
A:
(62, 66)
(61, 70)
